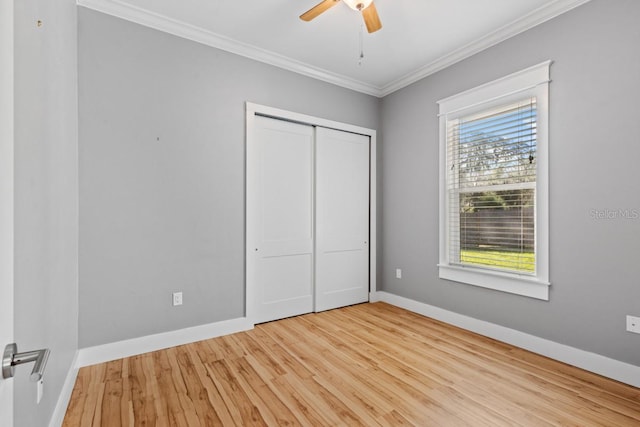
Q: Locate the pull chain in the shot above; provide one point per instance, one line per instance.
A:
(361, 45)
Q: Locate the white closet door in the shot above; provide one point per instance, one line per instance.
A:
(280, 195)
(342, 219)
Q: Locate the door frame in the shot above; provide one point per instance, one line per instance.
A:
(252, 110)
(6, 197)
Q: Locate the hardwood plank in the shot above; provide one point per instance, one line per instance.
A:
(194, 398)
(161, 377)
(369, 364)
(97, 415)
(273, 411)
(277, 352)
(143, 407)
(213, 397)
(125, 404)
(242, 409)
(112, 399)
(78, 399)
(304, 409)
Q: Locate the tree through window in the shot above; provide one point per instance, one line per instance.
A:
(493, 172)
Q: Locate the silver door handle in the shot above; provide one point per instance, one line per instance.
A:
(12, 358)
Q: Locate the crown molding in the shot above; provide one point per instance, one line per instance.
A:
(520, 25)
(163, 23)
(178, 28)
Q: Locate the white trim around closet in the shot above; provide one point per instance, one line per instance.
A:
(261, 110)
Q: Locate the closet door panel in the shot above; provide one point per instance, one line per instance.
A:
(342, 219)
(281, 195)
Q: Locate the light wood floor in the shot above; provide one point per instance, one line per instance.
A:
(370, 364)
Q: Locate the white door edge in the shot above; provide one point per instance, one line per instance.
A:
(6, 199)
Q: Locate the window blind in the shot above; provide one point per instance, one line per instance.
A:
(491, 185)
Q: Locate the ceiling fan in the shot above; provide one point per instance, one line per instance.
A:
(366, 7)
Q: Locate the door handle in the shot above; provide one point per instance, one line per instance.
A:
(12, 358)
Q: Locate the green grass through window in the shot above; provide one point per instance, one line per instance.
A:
(516, 261)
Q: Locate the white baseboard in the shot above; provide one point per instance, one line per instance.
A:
(601, 365)
(120, 349)
(65, 395)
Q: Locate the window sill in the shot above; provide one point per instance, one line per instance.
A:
(529, 286)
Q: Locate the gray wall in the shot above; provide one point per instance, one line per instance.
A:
(46, 198)
(594, 155)
(162, 173)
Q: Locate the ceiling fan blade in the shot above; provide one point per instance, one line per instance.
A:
(318, 9)
(371, 18)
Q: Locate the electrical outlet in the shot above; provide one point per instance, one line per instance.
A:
(398, 273)
(633, 324)
(177, 298)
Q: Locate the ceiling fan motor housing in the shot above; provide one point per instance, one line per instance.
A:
(366, 7)
(358, 4)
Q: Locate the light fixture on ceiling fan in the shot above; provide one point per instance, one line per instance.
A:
(366, 7)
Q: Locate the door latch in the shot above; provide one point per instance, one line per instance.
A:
(12, 358)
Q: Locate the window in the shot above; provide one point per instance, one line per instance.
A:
(494, 184)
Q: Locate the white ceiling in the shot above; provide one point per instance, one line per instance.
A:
(418, 37)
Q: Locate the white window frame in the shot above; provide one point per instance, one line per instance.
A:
(530, 82)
